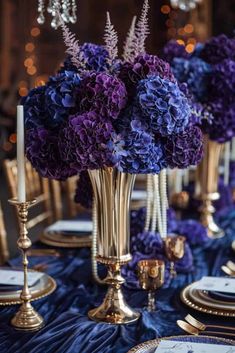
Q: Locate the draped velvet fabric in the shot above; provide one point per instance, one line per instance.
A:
(68, 329)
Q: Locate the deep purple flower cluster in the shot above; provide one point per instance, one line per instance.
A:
(223, 81)
(184, 149)
(43, 151)
(103, 93)
(218, 48)
(210, 76)
(119, 117)
(165, 108)
(84, 192)
(143, 65)
(174, 50)
(83, 142)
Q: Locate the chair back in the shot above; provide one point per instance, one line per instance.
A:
(4, 252)
(36, 187)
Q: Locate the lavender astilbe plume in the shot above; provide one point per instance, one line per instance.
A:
(142, 28)
(111, 41)
(130, 45)
(73, 48)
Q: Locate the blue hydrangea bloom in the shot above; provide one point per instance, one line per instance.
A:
(61, 97)
(195, 72)
(35, 112)
(163, 105)
(144, 154)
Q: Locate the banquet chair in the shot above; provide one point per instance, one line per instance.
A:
(36, 187)
(4, 252)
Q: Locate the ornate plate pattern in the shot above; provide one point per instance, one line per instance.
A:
(194, 300)
(150, 346)
(65, 241)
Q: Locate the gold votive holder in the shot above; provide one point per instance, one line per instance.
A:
(174, 249)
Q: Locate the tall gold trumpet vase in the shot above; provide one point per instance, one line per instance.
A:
(112, 191)
(207, 186)
(26, 318)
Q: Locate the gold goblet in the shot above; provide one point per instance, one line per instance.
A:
(174, 249)
(151, 277)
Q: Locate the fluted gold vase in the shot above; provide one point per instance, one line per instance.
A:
(207, 186)
(112, 191)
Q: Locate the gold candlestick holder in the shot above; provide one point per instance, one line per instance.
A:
(26, 318)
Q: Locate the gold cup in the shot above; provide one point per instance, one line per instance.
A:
(26, 318)
(151, 277)
(174, 249)
(112, 191)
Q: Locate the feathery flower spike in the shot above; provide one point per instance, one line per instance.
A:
(142, 28)
(130, 45)
(73, 48)
(111, 40)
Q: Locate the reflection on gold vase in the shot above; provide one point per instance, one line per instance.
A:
(112, 191)
(207, 186)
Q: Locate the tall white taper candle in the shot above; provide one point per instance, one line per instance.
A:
(20, 155)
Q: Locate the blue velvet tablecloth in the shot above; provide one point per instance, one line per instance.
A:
(68, 329)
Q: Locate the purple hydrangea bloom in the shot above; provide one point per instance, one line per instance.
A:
(147, 243)
(84, 191)
(144, 154)
(61, 97)
(174, 50)
(165, 107)
(143, 65)
(218, 48)
(83, 142)
(222, 127)
(196, 73)
(95, 57)
(184, 149)
(223, 81)
(42, 150)
(35, 111)
(194, 231)
(103, 93)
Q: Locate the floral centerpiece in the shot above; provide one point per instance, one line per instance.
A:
(210, 76)
(113, 117)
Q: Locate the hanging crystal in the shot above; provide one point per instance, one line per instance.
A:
(41, 9)
(185, 5)
(60, 10)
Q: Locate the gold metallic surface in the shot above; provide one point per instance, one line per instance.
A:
(202, 327)
(207, 186)
(174, 249)
(112, 191)
(26, 318)
(180, 200)
(192, 301)
(151, 277)
(150, 346)
(185, 326)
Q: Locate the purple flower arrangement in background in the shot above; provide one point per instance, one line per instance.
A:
(210, 76)
(103, 111)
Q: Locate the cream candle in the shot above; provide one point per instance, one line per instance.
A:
(20, 155)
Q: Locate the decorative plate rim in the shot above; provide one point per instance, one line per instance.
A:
(152, 343)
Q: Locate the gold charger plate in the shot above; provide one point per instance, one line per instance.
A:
(150, 346)
(198, 304)
(45, 286)
(65, 241)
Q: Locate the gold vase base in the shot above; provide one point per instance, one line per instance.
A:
(27, 319)
(111, 315)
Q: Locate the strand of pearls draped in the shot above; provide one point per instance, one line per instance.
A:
(149, 202)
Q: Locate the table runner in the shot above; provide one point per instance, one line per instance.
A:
(68, 329)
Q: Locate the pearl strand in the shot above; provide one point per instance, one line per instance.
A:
(149, 202)
(164, 202)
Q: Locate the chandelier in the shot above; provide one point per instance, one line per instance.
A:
(185, 5)
(64, 10)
